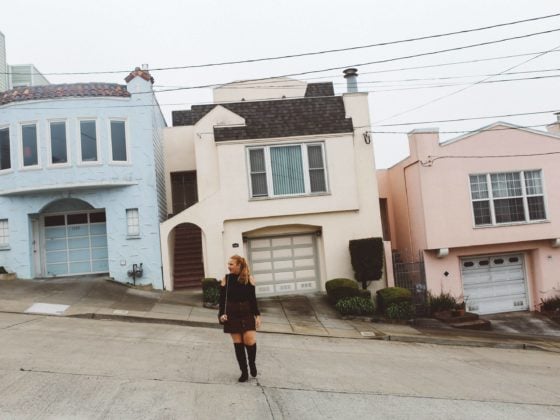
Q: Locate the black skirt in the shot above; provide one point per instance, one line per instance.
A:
(240, 318)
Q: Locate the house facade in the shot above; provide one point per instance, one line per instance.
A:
(275, 170)
(483, 213)
(82, 180)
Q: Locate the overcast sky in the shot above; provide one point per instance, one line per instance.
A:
(79, 36)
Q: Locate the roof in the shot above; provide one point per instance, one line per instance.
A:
(319, 89)
(278, 118)
(66, 90)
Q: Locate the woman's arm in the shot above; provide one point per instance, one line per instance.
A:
(223, 291)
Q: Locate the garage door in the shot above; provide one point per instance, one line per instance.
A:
(75, 243)
(284, 265)
(495, 283)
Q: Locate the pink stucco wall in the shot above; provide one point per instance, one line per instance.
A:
(430, 208)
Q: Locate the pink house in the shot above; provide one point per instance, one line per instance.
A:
(483, 213)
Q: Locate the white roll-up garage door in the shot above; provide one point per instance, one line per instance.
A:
(494, 283)
(284, 264)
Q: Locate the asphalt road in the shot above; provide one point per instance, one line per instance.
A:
(72, 368)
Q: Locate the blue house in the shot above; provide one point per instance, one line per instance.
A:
(82, 180)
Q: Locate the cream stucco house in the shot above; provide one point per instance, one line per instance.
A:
(276, 170)
(482, 211)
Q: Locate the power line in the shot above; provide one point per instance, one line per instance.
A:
(313, 53)
(387, 60)
(432, 159)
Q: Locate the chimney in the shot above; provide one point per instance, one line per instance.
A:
(351, 76)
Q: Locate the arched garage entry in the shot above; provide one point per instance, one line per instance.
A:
(72, 238)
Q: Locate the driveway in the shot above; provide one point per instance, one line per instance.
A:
(525, 323)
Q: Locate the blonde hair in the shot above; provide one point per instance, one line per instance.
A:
(244, 272)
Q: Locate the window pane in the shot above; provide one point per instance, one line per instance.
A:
(118, 140)
(287, 170)
(509, 210)
(97, 217)
(533, 182)
(316, 168)
(58, 142)
(5, 161)
(132, 222)
(536, 208)
(506, 184)
(479, 187)
(29, 133)
(4, 233)
(259, 186)
(88, 138)
(482, 213)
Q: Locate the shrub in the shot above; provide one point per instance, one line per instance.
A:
(390, 295)
(442, 302)
(401, 310)
(550, 304)
(341, 288)
(366, 256)
(355, 305)
(210, 290)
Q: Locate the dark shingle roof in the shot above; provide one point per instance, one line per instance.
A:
(280, 118)
(319, 89)
(31, 93)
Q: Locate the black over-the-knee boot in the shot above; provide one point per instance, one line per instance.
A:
(242, 360)
(252, 353)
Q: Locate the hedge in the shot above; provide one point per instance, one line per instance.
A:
(366, 256)
(355, 305)
(343, 288)
(391, 295)
(210, 290)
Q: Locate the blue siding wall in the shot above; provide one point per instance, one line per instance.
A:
(106, 185)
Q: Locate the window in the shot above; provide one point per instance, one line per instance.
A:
(59, 151)
(507, 197)
(287, 170)
(88, 141)
(118, 141)
(29, 145)
(4, 233)
(132, 222)
(5, 160)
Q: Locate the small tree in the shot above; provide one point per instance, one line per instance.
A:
(367, 259)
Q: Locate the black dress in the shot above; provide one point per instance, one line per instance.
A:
(240, 305)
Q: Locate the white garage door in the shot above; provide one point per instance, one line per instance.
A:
(284, 265)
(75, 243)
(494, 283)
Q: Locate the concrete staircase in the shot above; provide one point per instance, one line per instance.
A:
(188, 269)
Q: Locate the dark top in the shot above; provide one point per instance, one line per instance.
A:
(237, 292)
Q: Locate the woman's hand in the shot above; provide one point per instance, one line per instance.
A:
(258, 321)
(223, 318)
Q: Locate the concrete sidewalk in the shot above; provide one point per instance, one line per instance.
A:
(312, 315)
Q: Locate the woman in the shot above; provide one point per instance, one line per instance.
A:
(240, 314)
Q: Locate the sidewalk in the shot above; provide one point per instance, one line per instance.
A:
(311, 315)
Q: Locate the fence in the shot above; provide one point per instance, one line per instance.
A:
(412, 276)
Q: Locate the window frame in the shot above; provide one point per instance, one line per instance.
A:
(80, 161)
(11, 168)
(6, 237)
(524, 196)
(68, 162)
(128, 213)
(126, 141)
(22, 166)
(305, 168)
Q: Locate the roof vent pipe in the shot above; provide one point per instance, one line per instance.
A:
(351, 76)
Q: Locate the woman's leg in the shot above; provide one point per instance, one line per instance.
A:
(250, 341)
(240, 356)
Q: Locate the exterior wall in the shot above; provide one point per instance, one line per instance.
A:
(431, 209)
(541, 268)
(226, 212)
(267, 89)
(105, 185)
(3, 64)
(25, 75)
